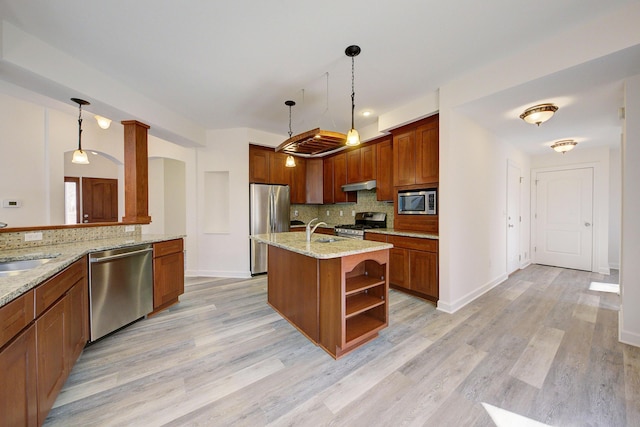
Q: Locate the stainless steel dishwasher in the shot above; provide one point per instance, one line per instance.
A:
(120, 288)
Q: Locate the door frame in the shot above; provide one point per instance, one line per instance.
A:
(511, 163)
(598, 200)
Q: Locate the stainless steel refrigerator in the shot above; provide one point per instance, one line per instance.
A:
(268, 213)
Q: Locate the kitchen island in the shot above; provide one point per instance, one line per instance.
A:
(334, 290)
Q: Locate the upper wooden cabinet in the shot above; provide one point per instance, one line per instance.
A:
(268, 167)
(415, 153)
(315, 181)
(339, 179)
(384, 170)
(361, 164)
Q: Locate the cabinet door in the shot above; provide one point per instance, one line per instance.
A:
(327, 180)
(427, 153)
(423, 273)
(384, 171)
(314, 181)
(298, 184)
(339, 179)
(278, 172)
(78, 332)
(368, 162)
(18, 402)
(168, 279)
(404, 161)
(353, 166)
(258, 165)
(399, 267)
(51, 345)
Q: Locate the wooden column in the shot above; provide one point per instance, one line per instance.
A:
(136, 173)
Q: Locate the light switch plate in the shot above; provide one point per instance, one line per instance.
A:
(31, 237)
(129, 228)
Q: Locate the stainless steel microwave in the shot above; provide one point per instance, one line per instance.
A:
(423, 202)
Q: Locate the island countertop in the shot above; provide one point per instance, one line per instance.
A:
(338, 246)
(62, 255)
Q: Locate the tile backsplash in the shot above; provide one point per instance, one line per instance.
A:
(331, 213)
(16, 240)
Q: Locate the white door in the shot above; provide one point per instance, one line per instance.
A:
(513, 218)
(564, 216)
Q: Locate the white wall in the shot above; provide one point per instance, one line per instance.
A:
(629, 316)
(615, 202)
(599, 159)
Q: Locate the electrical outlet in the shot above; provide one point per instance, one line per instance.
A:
(129, 228)
(31, 237)
(353, 213)
(327, 213)
(340, 213)
(295, 213)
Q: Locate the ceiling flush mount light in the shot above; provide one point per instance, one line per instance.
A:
(103, 122)
(353, 137)
(538, 113)
(290, 162)
(564, 145)
(79, 156)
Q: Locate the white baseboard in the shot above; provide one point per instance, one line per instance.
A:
(604, 270)
(215, 273)
(471, 296)
(614, 266)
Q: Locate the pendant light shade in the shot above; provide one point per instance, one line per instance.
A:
(80, 156)
(103, 122)
(353, 137)
(290, 162)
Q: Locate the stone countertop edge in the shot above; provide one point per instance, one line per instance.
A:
(11, 287)
(296, 242)
(394, 232)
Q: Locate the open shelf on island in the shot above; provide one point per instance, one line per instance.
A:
(360, 326)
(361, 302)
(361, 283)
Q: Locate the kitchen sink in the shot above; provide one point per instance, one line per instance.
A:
(11, 268)
(328, 240)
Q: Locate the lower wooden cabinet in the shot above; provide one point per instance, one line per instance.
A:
(168, 273)
(18, 394)
(413, 264)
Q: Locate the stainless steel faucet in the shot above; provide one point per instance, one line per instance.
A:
(310, 231)
(3, 224)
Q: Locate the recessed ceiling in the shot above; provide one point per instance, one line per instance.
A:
(233, 64)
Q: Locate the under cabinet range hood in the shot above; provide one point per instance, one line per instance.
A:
(357, 186)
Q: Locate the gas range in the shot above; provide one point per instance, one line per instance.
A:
(363, 221)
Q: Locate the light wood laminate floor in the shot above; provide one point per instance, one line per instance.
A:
(540, 345)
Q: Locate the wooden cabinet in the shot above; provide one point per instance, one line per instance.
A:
(259, 162)
(413, 264)
(415, 153)
(18, 361)
(361, 164)
(268, 167)
(335, 176)
(168, 273)
(384, 170)
(314, 182)
(61, 330)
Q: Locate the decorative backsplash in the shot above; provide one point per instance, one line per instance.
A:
(366, 203)
(16, 240)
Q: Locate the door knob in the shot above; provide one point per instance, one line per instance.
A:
(587, 224)
(510, 225)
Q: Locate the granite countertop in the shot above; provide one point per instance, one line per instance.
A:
(342, 246)
(63, 255)
(394, 232)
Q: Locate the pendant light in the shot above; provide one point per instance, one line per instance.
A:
(290, 162)
(353, 138)
(79, 156)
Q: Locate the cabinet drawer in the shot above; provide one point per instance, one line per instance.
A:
(167, 248)
(15, 316)
(428, 245)
(55, 287)
(375, 237)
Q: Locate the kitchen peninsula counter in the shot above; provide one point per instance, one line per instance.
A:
(335, 293)
(62, 256)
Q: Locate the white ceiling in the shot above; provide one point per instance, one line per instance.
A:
(234, 63)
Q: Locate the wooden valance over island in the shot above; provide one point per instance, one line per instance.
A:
(334, 290)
